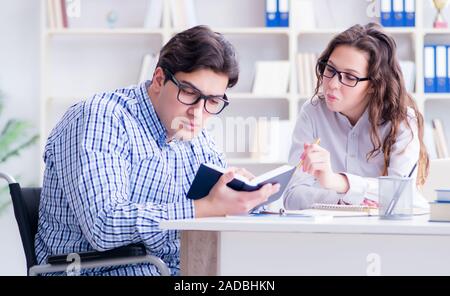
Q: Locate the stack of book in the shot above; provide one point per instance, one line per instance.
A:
(57, 14)
(148, 67)
(306, 73)
(440, 209)
(271, 78)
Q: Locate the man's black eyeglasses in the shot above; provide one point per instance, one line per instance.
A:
(190, 95)
(345, 78)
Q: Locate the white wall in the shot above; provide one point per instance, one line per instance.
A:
(19, 82)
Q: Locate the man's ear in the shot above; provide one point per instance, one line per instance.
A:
(158, 79)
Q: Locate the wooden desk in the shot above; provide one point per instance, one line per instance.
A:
(290, 246)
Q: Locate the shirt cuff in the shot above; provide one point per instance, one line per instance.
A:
(181, 210)
(356, 190)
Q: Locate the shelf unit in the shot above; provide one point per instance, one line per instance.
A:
(75, 60)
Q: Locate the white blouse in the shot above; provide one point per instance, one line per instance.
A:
(348, 146)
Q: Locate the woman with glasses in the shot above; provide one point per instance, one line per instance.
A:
(367, 123)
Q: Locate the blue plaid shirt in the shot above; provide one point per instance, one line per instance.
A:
(111, 177)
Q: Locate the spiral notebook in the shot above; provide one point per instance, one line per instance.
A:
(338, 207)
(346, 210)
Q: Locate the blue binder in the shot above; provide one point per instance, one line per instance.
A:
(271, 13)
(441, 68)
(429, 73)
(410, 13)
(283, 13)
(399, 12)
(448, 68)
(386, 13)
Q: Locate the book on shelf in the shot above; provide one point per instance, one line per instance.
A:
(208, 175)
(266, 139)
(183, 14)
(271, 78)
(153, 14)
(428, 139)
(57, 14)
(148, 67)
(277, 13)
(306, 73)
(51, 22)
(441, 68)
(440, 212)
(436, 68)
(283, 13)
(271, 13)
(65, 20)
(398, 13)
(409, 74)
(303, 15)
(439, 138)
(410, 13)
(429, 61)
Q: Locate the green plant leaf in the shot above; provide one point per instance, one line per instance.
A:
(13, 138)
(17, 150)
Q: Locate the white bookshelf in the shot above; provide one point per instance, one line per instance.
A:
(94, 31)
(78, 61)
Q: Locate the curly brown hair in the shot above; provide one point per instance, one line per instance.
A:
(389, 100)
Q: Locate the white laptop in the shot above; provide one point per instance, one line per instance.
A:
(438, 178)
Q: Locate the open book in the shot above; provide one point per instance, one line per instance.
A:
(208, 175)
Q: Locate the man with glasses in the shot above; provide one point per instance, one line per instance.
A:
(120, 162)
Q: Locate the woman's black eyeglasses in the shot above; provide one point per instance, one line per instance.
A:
(345, 78)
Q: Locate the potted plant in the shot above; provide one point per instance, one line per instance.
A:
(15, 136)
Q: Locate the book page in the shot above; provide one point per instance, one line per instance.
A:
(255, 181)
(270, 174)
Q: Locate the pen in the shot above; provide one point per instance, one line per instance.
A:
(299, 166)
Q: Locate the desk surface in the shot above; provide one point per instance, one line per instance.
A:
(419, 225)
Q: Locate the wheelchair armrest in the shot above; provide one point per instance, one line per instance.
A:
(133, 250)
(120, 256)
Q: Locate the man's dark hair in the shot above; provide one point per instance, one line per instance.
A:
(200, 48)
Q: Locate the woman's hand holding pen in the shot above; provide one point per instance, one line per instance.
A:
(316, 162)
